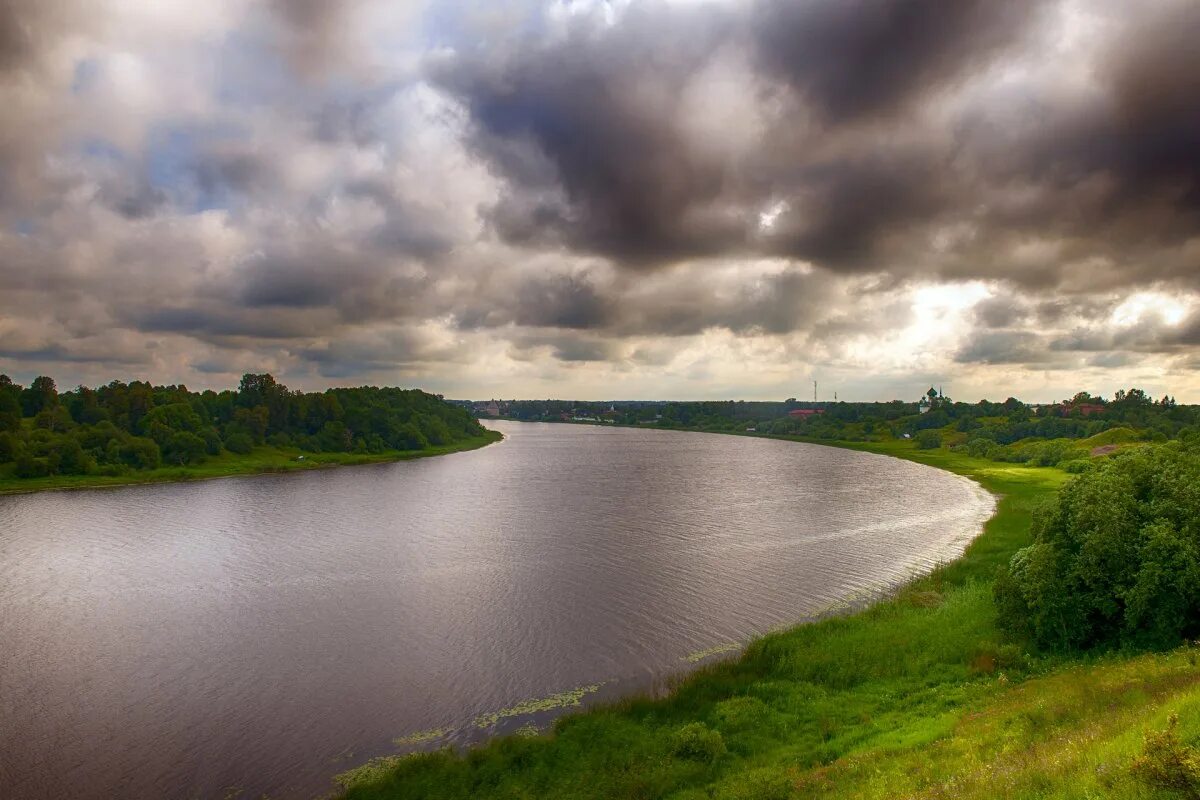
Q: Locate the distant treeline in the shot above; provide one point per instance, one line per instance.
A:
(124, 427)
(1007, 431)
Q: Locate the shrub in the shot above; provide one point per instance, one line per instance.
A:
(239, 443)
(30, 467)
(279, 440)
(9, 446)
(71, 458)
(141, 453)
(1167, 763)
(697, 742)
(212, 441)
(982, 448)
(1115, 558)
(929, 440)
(184, 448)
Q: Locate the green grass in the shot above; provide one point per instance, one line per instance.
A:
(261, 460)
(918, 696)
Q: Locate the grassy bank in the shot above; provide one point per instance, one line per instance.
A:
(262, 459)
(916, 696)
(849, 705)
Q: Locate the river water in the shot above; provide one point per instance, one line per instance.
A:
(261, 634)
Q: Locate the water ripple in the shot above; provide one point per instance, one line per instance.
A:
(182, 640)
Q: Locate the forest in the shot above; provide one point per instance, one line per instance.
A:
(123, 428)
(1055, 434)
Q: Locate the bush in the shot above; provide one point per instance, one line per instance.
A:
(279, 440)
(697, 742)
(212, 441)
(1167, 763)
(1115, 558)
(141, 453)
(239, 443)
(982, 448)
(184, 448)
(929, 440)
(71, 458)
(30, 467)
(9, 446)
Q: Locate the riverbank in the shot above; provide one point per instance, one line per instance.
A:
(918, 695)
(263, 459)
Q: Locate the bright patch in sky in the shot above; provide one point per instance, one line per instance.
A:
(1171, 310)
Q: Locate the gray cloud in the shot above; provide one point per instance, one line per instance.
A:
(579, 187)
(314, 34)
(863, 57)
(584, 131)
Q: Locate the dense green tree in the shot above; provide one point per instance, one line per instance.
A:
(42, 394)
(1115, 559)
(138, 426)
(239, 442)
(141, 453)
(184, 448)
(10, 410)
(9, 446)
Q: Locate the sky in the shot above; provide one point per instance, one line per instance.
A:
(604, 199)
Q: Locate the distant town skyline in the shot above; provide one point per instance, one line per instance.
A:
(605, 199)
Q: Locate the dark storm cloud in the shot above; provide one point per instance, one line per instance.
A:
(590, 133)
(1000, 312)
(860, 57)
(562, 302)
(583, 129)
(848, 209)
(566, 345)
(59, 354)
(1146, 134)
(592, 139)
(774, 304)
(676, 303)
(1006, 347)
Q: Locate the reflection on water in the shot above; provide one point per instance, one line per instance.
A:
(265, 633)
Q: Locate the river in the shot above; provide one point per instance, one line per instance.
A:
(261, 634)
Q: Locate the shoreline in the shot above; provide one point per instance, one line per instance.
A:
(263, 460)
(960, 582)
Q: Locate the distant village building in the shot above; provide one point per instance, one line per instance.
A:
(1085, 409)
(931, 400)
(492, 409)
(804, 413)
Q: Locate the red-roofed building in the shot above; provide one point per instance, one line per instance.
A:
(1085, 409)
(803, 413)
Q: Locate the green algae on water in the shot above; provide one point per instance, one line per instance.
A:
(700, 655)
(423, 737)
(571, 697)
